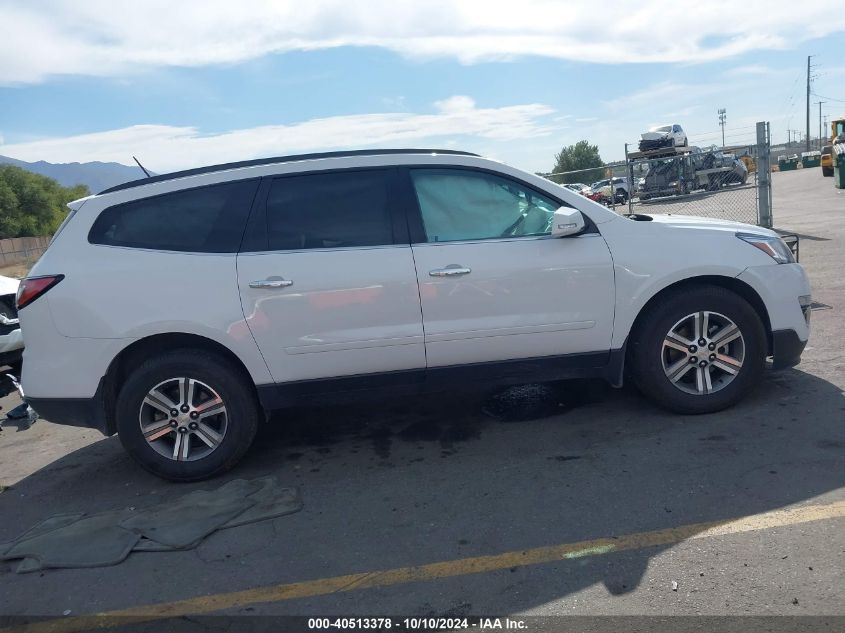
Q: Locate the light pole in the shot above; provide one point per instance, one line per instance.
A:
(722, 117)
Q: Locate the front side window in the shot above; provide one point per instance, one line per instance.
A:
(330, 210)
(468, 205)
(203, 220)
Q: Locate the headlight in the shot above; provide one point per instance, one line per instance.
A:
(774, 247)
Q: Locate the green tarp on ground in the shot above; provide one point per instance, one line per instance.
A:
(107, 538)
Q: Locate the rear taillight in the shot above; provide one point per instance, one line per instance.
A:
(33, 287)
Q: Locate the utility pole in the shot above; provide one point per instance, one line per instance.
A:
(788, 138)
(821, 140)
(808, 102)
(722, 118)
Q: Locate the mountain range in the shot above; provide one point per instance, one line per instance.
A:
(96, 175)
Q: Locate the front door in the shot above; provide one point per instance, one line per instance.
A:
(494, 284)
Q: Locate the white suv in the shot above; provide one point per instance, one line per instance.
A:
(178, 310)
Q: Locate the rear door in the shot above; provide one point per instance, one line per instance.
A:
(327, 278)
(494, 284)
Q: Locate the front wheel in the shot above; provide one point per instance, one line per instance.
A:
(186, 415)
(699, 350)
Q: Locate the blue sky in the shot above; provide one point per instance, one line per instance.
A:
(515, 81)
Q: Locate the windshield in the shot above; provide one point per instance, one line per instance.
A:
(663, 128)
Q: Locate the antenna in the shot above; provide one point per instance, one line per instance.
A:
(141, 166)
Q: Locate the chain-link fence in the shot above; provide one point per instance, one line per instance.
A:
(728, 181)
(711, 182)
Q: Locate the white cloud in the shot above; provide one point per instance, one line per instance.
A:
(752, 69)
(107, 38)
(165, 148)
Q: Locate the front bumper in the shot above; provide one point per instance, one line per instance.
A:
(786, 349)
(782, 288)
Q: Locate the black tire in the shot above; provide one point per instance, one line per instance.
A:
(827, 171)
(645, 352)
(242, 413)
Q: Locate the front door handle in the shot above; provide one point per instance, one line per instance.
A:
(452, 270)
(272, 282)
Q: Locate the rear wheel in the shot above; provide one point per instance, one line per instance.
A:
(699, 350)
(187, 415)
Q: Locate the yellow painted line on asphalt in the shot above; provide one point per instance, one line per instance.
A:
(444, 569)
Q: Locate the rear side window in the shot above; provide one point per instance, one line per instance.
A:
(204, 220)
(331, 210)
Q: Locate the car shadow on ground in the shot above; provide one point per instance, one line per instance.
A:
(411, 481)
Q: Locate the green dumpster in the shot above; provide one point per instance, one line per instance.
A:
(811, 159)
(839, 165)
(788, 164)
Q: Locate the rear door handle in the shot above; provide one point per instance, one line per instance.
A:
(272, 282)
(452, 270)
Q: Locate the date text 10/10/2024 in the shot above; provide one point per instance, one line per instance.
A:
(417, 624)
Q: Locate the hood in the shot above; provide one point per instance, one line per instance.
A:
(653, 136)
(696, 222)
(8, 285)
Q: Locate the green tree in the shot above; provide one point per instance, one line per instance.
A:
(582, 155)
(31, 204)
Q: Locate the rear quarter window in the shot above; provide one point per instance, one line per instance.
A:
(207, 219)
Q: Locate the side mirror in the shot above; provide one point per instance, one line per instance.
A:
(567, 221)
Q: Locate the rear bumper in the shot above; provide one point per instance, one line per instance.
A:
(88, 413)
(786, 349)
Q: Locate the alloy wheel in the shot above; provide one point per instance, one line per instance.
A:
(703, 353)
(183, 419)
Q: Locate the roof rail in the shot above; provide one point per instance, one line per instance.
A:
(277, 159)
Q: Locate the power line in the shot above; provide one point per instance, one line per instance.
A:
(816, 94)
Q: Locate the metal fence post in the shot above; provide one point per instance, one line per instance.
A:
(764, 188)
(629, 175)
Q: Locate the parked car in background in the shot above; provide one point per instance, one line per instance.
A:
(733, 169)
(616, 186)
(11, 341)
(577, 187)
(663, 136)
(827, 160)
(739, 173)
(194, 303)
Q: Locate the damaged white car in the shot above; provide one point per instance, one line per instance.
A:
(11, 341)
